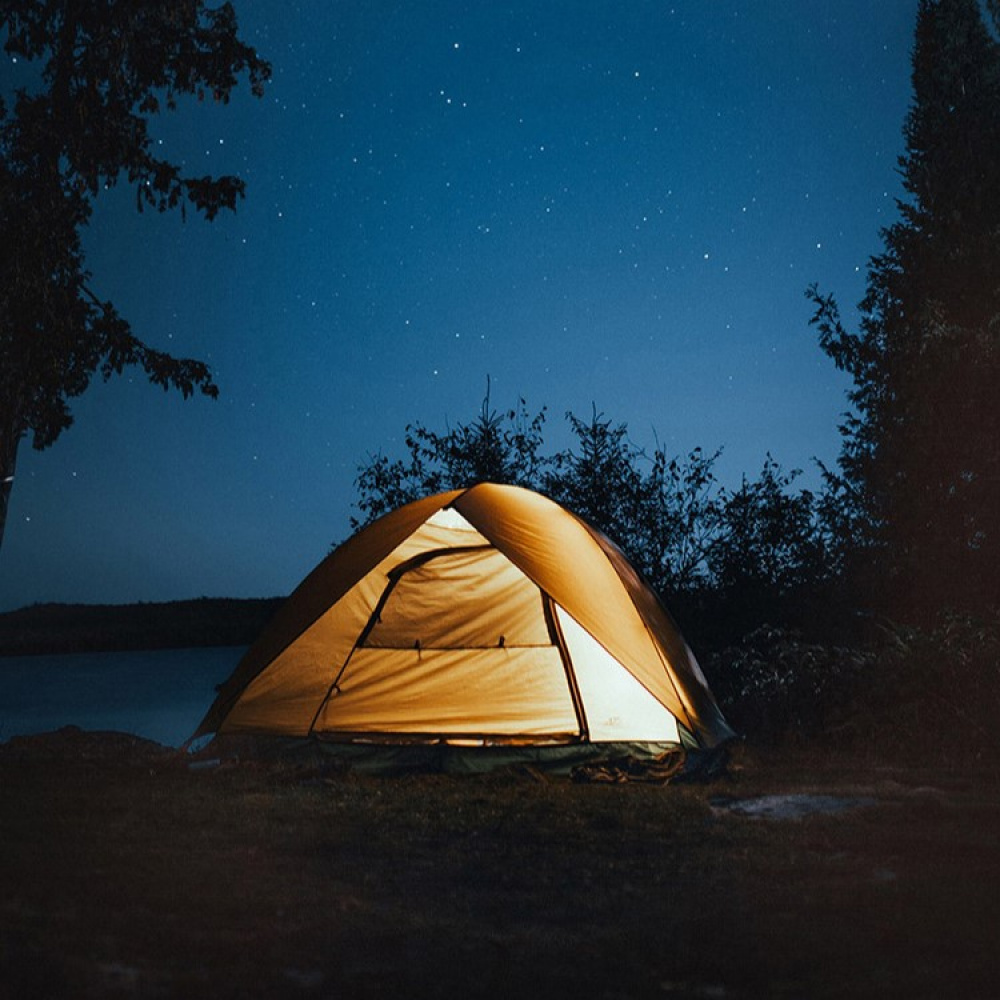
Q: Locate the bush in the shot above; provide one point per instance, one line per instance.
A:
(774, 685)
(936, 687)
(910, 694)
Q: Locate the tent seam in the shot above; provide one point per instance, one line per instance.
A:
(656, 646)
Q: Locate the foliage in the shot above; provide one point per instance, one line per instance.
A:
(104, 69)
(661, 510)
(769, 538)
(772, 558)
(678, 522)
(726, 559)
(774, 685)
(495, 447)
(599, 479)
(919, 463)
(938, 685)
(898, 694)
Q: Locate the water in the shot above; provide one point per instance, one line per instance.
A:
(161, 695)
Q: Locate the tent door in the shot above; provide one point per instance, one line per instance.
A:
(555, 632)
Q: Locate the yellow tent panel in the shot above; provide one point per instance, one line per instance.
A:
(489, 615)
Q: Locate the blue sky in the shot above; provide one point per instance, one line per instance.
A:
(592, 203)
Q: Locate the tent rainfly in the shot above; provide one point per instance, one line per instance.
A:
(479, 617)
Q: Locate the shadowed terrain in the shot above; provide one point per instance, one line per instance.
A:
(126, 873)
(74, 628)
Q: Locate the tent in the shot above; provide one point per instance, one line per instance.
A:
(489, 616)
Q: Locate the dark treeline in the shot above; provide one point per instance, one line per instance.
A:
(723, 558)
(762, 577)
(919, 474)
(83, 628)
(870, 605)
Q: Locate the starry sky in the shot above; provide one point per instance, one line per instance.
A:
(610, 203)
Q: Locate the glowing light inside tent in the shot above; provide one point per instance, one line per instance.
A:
(618, 706)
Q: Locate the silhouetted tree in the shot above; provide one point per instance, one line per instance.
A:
(769, 561)
(919, 472)
(599, 478)
(105, 67)
(498, 447)
(768, 534)
(728, 560)
(661, 509)
(678, 522)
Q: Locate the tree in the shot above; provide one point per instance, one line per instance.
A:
(661, 509)
(678, 523)
(768, 538)
(106, 66)
(920, 464)
(495, 447)
(730, 560)
(769, 563)
(599, 479)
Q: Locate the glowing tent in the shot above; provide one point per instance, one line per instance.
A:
(486, 616)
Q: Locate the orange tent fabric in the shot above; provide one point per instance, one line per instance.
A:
(488, 615)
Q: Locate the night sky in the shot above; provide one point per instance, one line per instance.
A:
(611, 204)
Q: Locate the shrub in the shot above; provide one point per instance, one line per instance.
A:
(910, 694)
(773, 685)
(936, 687)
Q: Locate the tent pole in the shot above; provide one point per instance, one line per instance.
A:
(555, 633)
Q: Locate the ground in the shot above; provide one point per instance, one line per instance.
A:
(126, 873)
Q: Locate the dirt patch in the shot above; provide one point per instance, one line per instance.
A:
(794, 806)
(124, 873)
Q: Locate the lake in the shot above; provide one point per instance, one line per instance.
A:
(160, 694)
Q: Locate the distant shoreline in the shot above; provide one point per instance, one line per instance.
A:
(77, 628)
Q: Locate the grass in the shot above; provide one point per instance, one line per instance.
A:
(123, 873)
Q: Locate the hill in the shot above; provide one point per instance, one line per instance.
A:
(72, 628)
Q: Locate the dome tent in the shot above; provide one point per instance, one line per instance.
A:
(489, 616)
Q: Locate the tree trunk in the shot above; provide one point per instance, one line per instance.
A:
(10, 438)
